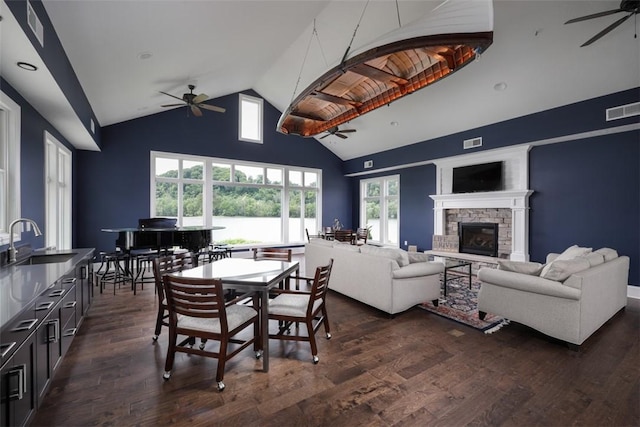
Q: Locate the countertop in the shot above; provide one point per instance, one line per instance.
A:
(21, 285)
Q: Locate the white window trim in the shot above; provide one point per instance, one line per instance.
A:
(12, 191)
(208, 183)
(260, 103)
(384, 201)
(58, 218)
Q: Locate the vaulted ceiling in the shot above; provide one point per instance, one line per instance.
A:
(229, 46)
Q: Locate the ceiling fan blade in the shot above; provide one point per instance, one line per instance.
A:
(606, 30)
(595, 15)
(200, 98)
(348, 130)
(196, 111)
(341, 135)
(322, 137)
(174, 105)
(168, 94)
(212, 108)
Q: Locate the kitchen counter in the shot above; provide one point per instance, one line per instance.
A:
(20, 285)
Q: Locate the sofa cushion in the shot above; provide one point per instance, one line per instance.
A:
(531, 268)
(594, 258)
(608, 253)
(321, 242)
(418, 257)
(560, 270)
(418, 269)
(572, 252)
(400, 256)
(345, 246)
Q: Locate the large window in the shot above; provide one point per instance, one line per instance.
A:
(257, 203)
(9, 166)
(380, 209)
(57, 193)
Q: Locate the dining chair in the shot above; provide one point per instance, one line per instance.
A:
(362, 234)
(345, 235)
(327, 232)
(308, 307)
(197, 309)
(311, 236)
(162, 265)
(274, 254)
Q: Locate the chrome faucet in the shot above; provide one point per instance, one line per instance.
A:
(12, 248)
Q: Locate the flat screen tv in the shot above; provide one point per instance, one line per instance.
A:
(475, 178)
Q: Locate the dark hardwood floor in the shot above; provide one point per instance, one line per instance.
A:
(415, 369)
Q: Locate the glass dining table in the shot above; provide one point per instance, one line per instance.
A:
(248, 275)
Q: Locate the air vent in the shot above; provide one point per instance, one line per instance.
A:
(472, 143)
(368, 164)
(623, 111)
(35, 24)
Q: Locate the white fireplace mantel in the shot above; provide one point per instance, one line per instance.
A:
(516, 200)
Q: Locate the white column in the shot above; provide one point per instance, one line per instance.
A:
(520, 234)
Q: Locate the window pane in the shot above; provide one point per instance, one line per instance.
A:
(392, 222)
(166, 199)
(310, 212)
(192, 204)
(274, 176)
(221, 172)
(167, 167)
(373, 189)
(295, 230)
(192, 170)
(310, 179)
(295, 178)
(392, 187)
(250, 174)
(372, 218)
(250, 120)
(249, 214)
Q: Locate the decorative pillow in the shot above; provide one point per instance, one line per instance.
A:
(594, 258)
(572, 252)
(562, 269)
(531, 268)
(608, 253)
(418, 257)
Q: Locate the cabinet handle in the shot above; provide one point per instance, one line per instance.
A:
(70, 304)
(25, 325)
(83, 273)
(56, 293)
(56, 331)
(6, 348)
(19, 375)
(69, 280)
(70, 332)
(44, 306)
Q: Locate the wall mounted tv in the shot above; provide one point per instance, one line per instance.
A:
(475, 178)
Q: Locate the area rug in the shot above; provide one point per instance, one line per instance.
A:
(461, 305)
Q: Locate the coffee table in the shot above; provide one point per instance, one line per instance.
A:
(453, 264)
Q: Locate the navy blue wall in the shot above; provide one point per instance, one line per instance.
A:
(113, 185)
(32, 178)
(586, 191)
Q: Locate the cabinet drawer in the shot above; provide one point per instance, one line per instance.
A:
(68, 308)
(15, 333)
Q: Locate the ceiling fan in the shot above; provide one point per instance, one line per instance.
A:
(631, 7)
(196, 102)
(337, 132)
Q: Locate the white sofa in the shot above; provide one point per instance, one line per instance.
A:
(569, 299)
(391, 280)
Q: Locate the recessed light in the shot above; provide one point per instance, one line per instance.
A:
(394, 123)
(27, 66)
(500, 86)
(145, 55)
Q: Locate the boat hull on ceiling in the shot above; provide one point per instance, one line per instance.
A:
(397, 64)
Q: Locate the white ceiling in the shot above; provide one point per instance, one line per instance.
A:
(229, 46)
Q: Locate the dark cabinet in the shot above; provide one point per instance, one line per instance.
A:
(18, 385)
(48, 350)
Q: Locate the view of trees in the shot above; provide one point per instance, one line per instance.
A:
(229, 200)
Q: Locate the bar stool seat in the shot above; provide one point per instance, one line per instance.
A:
(114, 272)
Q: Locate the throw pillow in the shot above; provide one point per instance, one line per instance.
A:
(608, 253)
(531, 268)
(417, 257)
(594, 258)
(572, 252)
(562, 269)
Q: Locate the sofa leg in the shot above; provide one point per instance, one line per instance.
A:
(573, 347)
(482, 314)
(435, 302)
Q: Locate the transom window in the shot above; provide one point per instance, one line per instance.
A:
(380, 209)
(250, 126)
(257, 203)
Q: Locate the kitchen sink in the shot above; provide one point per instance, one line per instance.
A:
(47, 259)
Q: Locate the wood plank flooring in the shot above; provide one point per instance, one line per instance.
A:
(416, 369)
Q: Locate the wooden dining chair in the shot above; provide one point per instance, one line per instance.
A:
(274, 254)
(197, 309)
(291, 307)
(165, 265)
(362, 234)
(344, 235)
(311, 236)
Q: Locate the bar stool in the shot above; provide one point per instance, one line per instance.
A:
(143, 260)
(114, 271)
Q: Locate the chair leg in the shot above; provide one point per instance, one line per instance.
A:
(159, 319)
(325, 321)
(171, 353)
(312, 341)
(221, 362)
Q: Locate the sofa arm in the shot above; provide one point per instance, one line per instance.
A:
(527, 283)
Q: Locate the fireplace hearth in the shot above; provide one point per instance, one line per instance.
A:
(479, 238)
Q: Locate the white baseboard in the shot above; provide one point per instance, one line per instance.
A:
(633, 292)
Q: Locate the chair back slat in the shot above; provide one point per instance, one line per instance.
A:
(193, 297)
(276, 254)
(170, 264)
(320, 284)
(344, 235)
